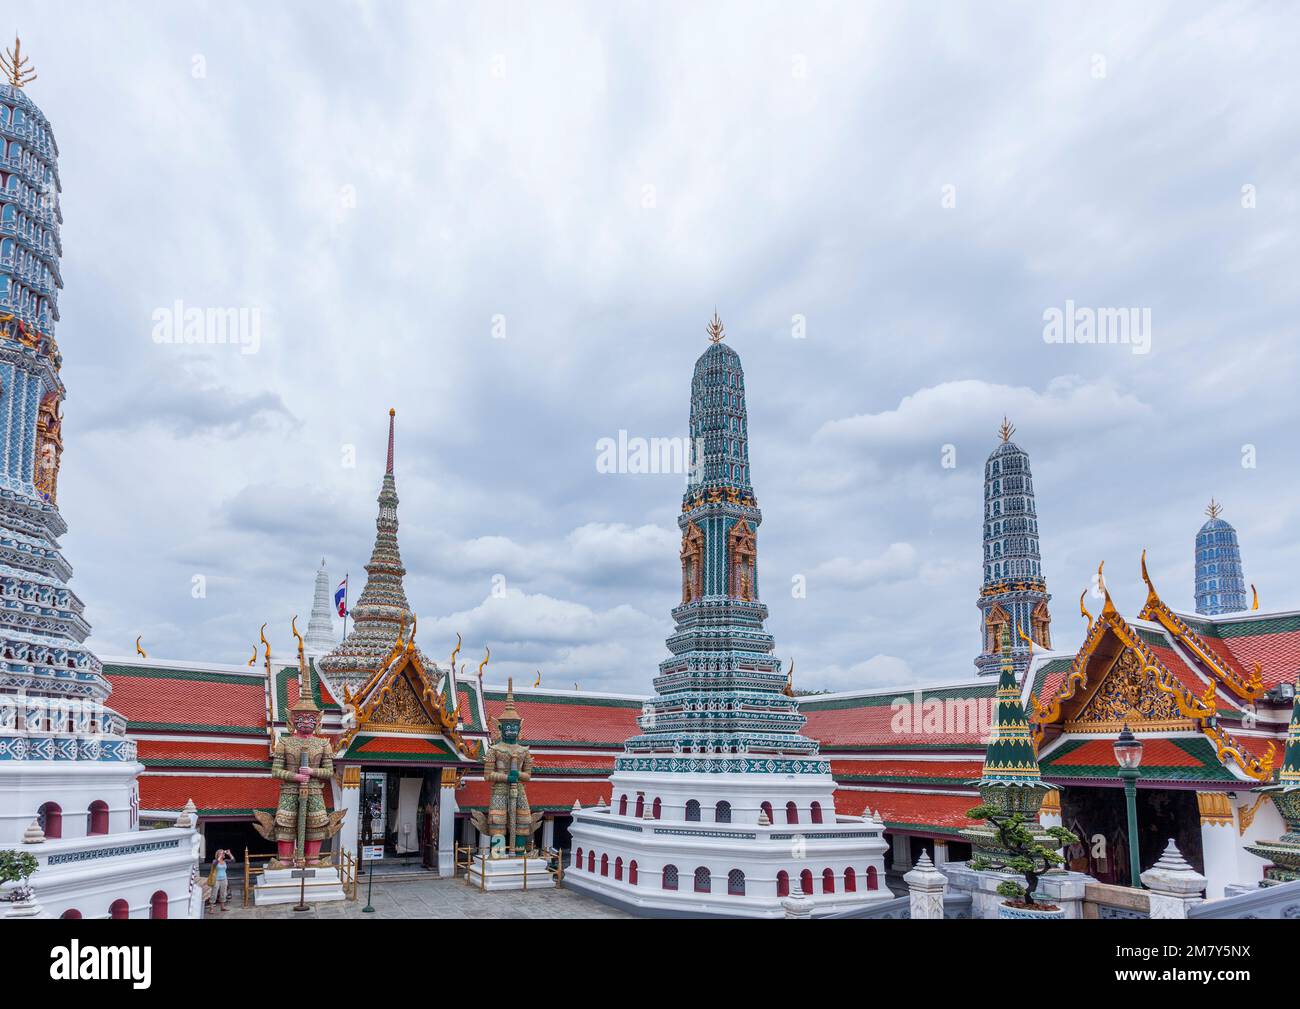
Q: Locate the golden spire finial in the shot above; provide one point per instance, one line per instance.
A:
(1006, 430)
(16, 66)
(1214, 509)
(715, 330)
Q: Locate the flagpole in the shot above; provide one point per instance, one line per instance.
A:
(347, 584)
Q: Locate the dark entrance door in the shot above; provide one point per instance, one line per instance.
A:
(1100, 818)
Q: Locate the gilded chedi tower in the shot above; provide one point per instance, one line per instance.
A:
(381, 613)
(1014, 593)
(720, 805)
(68, 788)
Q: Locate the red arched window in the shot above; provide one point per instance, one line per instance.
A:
(604, 864)
(591, 861)
(631, 872)
(828, 881)
(767, 808)
(692, 811)
(618, 868)
(119, 909)
(50, 817)
(670, 877)
(640, 806)
(805, 881)
(722, 812)
(850, 880)
(736, 883)
(703, 880)
(622, 805)
(815, 812)
(97, 817)
(158, 905)
(873, 880)
(577, 859)
(783, 884)
(656, 808)
(71, 912)
(791, 813)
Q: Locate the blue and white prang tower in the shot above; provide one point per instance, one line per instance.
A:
(1014, 594)
(1220, 584)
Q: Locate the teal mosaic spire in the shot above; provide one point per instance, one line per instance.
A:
(721, 691)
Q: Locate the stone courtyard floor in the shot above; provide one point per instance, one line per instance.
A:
(435, 898)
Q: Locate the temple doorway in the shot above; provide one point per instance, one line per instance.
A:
(399, 809)
(1100, 818)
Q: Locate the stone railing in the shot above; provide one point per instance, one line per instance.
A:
(1281, 901)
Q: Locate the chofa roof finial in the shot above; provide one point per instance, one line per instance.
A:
(714, 329)
(17, 67)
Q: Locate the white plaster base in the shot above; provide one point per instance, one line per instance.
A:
(278, 886)
(508, 874)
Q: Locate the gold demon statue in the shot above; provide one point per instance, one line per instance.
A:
(304, 763)
(507, 767)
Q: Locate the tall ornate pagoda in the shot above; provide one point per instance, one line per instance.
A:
(709, 798)
(1220, 584)
(1014, 594)
(68, 773)
(382, 611)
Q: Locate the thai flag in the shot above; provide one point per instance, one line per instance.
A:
(341, 598)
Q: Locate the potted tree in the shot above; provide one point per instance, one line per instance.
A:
(1021, 849)
(17, 867)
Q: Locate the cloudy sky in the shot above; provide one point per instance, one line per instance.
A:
(512, 222)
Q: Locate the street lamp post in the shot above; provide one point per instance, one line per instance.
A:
(1128, 755)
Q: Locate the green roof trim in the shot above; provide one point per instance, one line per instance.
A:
(222, 765)
(192, 675)
(974, 690)
(230, 730)
(1245, 627)
(568, 700)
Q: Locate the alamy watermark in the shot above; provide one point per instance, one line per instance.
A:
(1074, 324)
(626, 454)
(178, 323)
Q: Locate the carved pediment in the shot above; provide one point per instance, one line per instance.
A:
(400, 709)
(1128, 694)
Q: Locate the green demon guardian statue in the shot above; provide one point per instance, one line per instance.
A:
(507, 767)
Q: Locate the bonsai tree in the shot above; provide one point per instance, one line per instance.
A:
(1021, 852)
(17, 866)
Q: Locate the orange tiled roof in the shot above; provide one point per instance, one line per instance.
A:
(943, 813)
(563, 719)
(153, 752)
(958, 770)
(1156, 752)
(577, 761)
(180, 701)
(874, 721)
(544, 794)
(213, 794)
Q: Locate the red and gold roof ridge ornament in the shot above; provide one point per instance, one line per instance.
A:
(1202, 710)
(1248, 688)
(404, 657)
